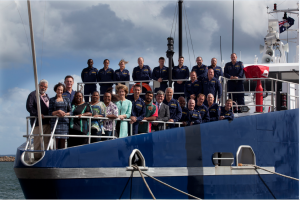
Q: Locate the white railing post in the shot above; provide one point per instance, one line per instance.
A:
(90, 129)
(52, 134)
(113, 129)
(32, 128)
(130, 129)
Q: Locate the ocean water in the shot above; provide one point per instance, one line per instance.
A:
(9, 184)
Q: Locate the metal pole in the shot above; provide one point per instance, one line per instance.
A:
(233, 26)
(113, 129)
(52, 134)
(37, 92)
(130, 129)
(90, 130)
(180, 27)
(272, 96)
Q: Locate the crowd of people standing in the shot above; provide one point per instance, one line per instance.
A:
(201, 93)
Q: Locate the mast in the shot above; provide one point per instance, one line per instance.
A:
(37, 93)
(233, 26)
(180, 27)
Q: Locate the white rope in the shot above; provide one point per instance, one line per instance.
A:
(145, 182)
(166, 184)
(272, 172)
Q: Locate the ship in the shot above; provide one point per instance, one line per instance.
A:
(254, 156)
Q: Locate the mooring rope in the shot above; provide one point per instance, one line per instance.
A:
(258, 167)
(145, 181)
(136, 167)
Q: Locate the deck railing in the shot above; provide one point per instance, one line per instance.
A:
(52, 136)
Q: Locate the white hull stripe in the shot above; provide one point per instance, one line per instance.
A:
(79, 173)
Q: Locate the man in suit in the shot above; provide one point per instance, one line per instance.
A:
(31, 106)
(163, 111)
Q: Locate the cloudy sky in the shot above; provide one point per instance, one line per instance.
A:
(68, 33)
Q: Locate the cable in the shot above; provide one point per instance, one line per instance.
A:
(187, 43)
(189, 32)
(173, 20)
(24, 29)
(43, 40)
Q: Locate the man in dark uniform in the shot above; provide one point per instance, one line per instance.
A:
(89, 74)
(200, 69)
(138, 109)
(194, 115)
(185, 111)
(160, 74)
(142, 72)
(226, 112)
(192, 87)
(211, 85)
(217, 70)
(105, 74)
(202, 108)
(213, 108)
(122, 74)
(69, 93)
(234, 70)
(180, 72)
(174, 107)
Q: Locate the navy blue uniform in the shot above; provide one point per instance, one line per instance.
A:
(180, 73)
(184, 116)
(139, 74)
(69, 95)
(214, 112)
(139, 111)
(204, 113)
(217, 71)
(161, 73)
(89, 74)
(200, 71)
(212, 86)
(227, 114)
(175, 111)
(195, 117)
(105, 76)
(235, 85)
(192, 88)
(122, 75)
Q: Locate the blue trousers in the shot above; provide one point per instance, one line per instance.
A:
(178, 88)
(89, 89)
(236, 86)
(163, 87)
(135, 128)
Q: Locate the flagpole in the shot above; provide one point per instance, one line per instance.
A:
(37, 93)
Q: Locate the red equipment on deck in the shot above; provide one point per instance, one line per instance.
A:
(257, 71)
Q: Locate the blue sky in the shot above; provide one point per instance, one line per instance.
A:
(68, 33)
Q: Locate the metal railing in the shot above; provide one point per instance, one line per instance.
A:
(272, 92)
(90, 118)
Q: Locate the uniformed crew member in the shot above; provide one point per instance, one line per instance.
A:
(200, 69)
(202, 108)
(185, 111)
(211, 85)
(105, 74)
(142, 72)
(161, 74)
(138, 109)
(122, 74)
(174, 107)
(217, 70)
(69, 93)
(234, 70)
(180, 72)
(89, 74)
(194, 115)
(192, 87)
(213, 108)
(226, 112)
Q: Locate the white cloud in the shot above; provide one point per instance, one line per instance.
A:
(12, 118)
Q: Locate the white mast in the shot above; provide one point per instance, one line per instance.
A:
(35, 77)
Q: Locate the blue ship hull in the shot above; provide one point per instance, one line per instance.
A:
(98, 170)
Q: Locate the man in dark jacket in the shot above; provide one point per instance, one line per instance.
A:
(163, 111)
(31, 106)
